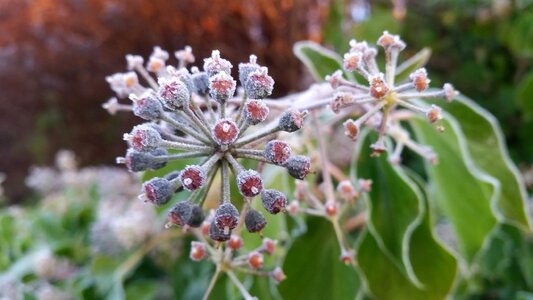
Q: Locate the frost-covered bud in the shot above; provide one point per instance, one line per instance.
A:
(201, 82)
(351, 129)
(226, 217)
(158, 52)
(254, 221)
(268, 246)
(185, 76)
(353, 61)
(278, 275)
(250, 183)
(147, 106)
(378, 87)
(216, 64)
(141, 161)
(449, 92)
(346, 189)
(273, 201)
(255, 111)
(259, 84)
(298, 166)
(235, 242)
(420, 80)
(388, 40)
(155, 64)
(143, 138)
(255, 260)
(111, 105)
(222, 86)
(340, 100)
(330, 208)
(365, 185)
(335, 79)
(185, 55)
(358, 46)
(157, 191)
(134, 61)
(173, 92)
(185, 213)
(116, 82)
(347, 256)
(130, 80)
(293, 208)
(245, 69)
(277, 152)
(292, 120)
(434, 114)
(198, 251)
(217, 234)
(225, 132)
(192, 177)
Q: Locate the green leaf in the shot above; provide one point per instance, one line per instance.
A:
(313, 268)
(394, 204)
(458, 188)
(416, 61)
(486, 145)
(524, 93)
(319, 60)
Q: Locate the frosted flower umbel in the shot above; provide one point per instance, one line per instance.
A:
(195, 114)
(383, 97)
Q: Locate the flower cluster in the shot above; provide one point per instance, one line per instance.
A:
(380, 99)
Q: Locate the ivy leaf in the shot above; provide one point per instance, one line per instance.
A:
(416, 61)
(319, 60)
(313, 268)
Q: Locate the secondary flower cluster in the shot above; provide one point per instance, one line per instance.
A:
(378, 101)
(189, 115)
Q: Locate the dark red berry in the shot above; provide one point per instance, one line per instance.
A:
(298, 166)
(292, 120)
(186, 213)
(226, 217)
(192, 177)
(217, 234)
(225, 132)
(147, 106)
(259, 84)
(157, 191)
(255, 111)
(249, 183)
(254, 221)
(143, 138)
(277, 152)
(173, 93)
(141, 161)
(273, 201)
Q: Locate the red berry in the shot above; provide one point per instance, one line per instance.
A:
(225, 132)
(277, 152)
(192, 177)
(249, 183)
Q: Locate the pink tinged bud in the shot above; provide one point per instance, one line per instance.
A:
(388, 40)
(143, 138)
(365, 185)
(155, 64)
(335, 79)
(158, 191)
(420, 79)
(192, 177)
(434, 114)
(158, 52)
(255, 260)
(198, 251)
(259, 84)
(112, 106)
(292, 120)
(255, 111)
(378, 87)
(278, 275)
(134, 61)
(117, 84)
(225, 132)
(293, 208)
(330, 208)
(341, 99)
(449, 92)
(357, 46)
(273, 201)
(215, 64)
(235, 242)
(147, 106)
(185, 55)
(353, 61)
(254, 221)
(346, 189)
(351, 129)
(249, 183)
(222, 86)
(173, 93)
(226, 217)
(268, 246)
(298, 166)
(277, 152)
(245, 69)
(378, 148)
